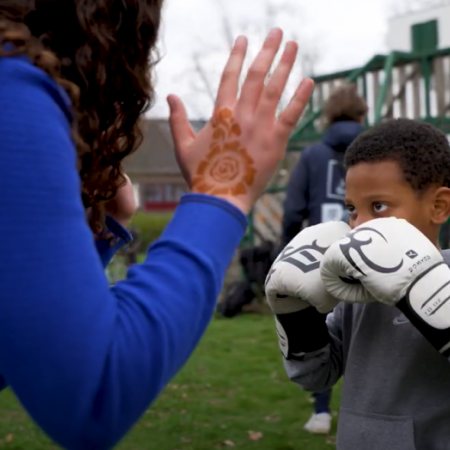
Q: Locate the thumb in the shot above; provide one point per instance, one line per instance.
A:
(181, 129)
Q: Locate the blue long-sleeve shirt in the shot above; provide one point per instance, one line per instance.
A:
(86, 360)
(106, 250)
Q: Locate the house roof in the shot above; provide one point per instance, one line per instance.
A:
(156, 153)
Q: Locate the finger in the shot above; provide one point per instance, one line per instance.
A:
(274, 89)
(229, 83)
(254, 82)
(180, 127)
(289, 118)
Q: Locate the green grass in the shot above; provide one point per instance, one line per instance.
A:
(150, 225)
(233, 384)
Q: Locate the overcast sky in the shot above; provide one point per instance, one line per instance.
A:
(346, 34)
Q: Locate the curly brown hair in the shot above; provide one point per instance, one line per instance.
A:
(101, 52)
(344, 103)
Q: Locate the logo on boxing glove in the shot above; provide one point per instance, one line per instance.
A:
(307, 263)
(357, 245)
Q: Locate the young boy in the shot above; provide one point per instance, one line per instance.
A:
(396, 391)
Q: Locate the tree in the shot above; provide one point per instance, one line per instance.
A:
(208, 58)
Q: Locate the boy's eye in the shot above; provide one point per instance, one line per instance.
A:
(379, 207)
(351, 209)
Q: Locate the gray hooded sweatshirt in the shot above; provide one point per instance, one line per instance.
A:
(396, 392)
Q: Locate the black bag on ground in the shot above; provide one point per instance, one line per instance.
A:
(236, 296)
(257, 261)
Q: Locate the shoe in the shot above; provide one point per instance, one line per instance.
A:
(319, 424)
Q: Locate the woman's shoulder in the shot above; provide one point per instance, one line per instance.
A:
(19, 77)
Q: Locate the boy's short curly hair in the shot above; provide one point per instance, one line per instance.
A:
(420, 149)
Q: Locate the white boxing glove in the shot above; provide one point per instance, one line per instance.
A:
(396, 265)
(293, 284)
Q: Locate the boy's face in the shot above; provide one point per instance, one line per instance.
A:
(378, 189)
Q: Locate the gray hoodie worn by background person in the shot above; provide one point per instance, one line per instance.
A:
(396, 391)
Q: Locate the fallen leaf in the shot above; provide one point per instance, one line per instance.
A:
(185, 440)
(9, 437)
(331, 440)
(229, 443)
(254, 435)
(273, 418)
(184, 395)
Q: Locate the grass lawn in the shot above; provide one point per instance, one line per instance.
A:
(233, 393)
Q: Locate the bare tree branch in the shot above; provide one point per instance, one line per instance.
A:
(202, 73)
(227, 28)
(205, 67)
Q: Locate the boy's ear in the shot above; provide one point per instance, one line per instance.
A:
(441, 206)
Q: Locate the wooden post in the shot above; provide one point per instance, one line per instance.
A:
(416, 92)
(402, 88)
(439, 87)
(321, 102)
(376, 90)
(390, 100)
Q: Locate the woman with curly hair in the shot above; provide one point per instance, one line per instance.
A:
(84, 359)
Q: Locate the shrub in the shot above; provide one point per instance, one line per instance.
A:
(150, 225)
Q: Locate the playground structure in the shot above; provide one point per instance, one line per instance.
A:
(412, 84)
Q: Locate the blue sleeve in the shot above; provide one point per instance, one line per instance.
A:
(107, 249)
(86, 360)
(296, 202)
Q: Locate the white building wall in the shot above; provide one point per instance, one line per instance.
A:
(399, 28)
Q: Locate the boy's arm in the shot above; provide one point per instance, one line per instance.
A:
(321, 369)
(295, 205)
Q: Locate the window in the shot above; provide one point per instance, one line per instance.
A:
(169, 193)
(153, 193)
(424, 37)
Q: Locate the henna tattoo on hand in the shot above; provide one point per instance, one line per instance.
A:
(227, 169)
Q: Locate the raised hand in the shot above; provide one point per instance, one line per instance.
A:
(235, 155)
